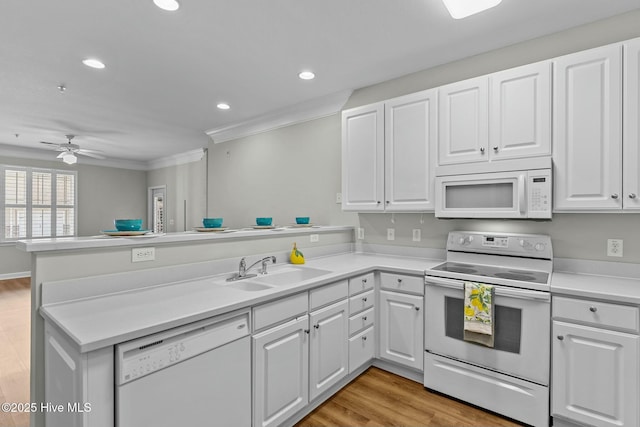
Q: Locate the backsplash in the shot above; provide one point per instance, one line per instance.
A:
(578, 236)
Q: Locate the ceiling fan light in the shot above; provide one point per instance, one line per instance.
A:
(69, 158)
(459, 9)
(93, 63)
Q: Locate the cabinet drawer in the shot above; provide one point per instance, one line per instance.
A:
(602, 314)
(361, 348)
(361, 321)
(360, 284)
(360, 302)
(279, 311)
(402, 283)
(328, 294)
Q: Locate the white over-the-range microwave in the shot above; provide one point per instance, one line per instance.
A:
(519, 188)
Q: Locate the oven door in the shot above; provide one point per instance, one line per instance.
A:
(522, 328)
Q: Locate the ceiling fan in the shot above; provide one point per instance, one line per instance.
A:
(69, 151)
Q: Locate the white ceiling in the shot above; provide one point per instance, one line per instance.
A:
(167, 71)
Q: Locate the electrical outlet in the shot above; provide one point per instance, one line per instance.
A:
(360, 233)
(614, 247)
(143, 254)
(417, 235)
(313, 238)
(338, 197)
(391, 234)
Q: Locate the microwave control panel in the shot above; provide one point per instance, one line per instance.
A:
(539, 193)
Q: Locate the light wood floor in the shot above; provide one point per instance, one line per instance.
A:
(15, 309)
(380, 399)
(374, 399)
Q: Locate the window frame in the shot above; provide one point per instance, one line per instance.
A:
(29, 205)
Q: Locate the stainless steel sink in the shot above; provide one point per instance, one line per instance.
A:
(288, 275)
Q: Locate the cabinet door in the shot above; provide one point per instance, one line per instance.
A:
(328, 358)
(410, 147)
(595, 375)
(587, 129)
(363, 158)
(280, 372)
(401, 329)
(464, 121)
(631, 123)
(520, 119)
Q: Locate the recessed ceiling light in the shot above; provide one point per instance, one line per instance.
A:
(170, 5)
(223, 106)
(462, 8)
(93, 63)
(306, 75)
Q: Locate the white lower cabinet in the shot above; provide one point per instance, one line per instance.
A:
(280, 372)
(401, 328)
(328, 355)
(595, 373)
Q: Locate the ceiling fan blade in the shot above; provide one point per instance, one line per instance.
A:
(91, 153)
(59, 156)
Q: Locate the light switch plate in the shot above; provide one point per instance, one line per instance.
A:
(417, 235)
(391, 234)
(360, 233)
(338, 197)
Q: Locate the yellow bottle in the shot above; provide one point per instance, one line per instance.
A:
(296, 256)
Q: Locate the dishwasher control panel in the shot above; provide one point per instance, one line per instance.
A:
(135, 359)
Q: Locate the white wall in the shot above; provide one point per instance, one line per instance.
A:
(284, 173)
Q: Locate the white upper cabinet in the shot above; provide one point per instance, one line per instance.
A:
(363, 158)
(464, 120)
(503, 115)
(520, 112)
(388, 154)
(410, 149)
(587, 129)
(631, 128)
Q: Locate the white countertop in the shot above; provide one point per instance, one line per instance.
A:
(94, 323)
(103, 241)
(610, 288)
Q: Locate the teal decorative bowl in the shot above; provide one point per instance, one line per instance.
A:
(128, 224)
(264, 221)
(212, 222)
(302, 220)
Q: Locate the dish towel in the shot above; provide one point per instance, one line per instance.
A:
(479, 313)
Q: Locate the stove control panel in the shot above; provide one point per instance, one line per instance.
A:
(527, 245)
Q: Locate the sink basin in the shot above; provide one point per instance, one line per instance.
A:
(249, 286)
(289, 275)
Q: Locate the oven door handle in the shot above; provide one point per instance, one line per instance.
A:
(502, 291)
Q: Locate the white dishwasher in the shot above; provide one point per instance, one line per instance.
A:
(195, 375)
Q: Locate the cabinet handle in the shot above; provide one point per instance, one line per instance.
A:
(364, 281)
(378, 202)
(417, 308)
(306, 331)
(317, 326)
(560, 337)
(614, 196)
(364, 338)
(593, 309)
(495, 148)
(364, 299)
(399, 281)
(364, 317)
(481, 150)
(632, 195)
(387, 202)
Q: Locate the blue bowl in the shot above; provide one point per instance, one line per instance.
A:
(212, 222)
(302, 220)
(264, 221)
(128, 224)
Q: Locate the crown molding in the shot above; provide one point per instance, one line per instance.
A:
(177, 159)
(298, 113)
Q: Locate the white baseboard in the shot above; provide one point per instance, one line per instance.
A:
(15, 275)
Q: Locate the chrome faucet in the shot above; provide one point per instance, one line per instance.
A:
(243, 269)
